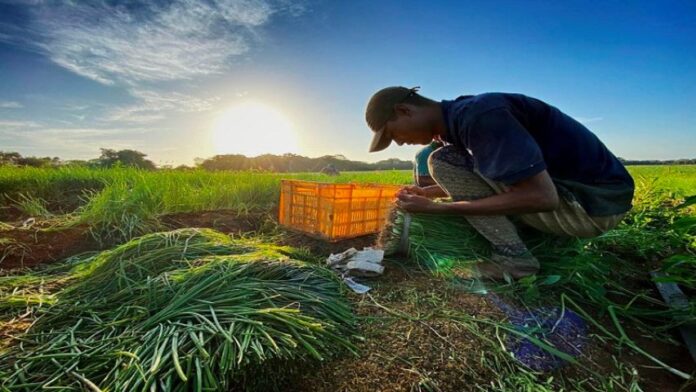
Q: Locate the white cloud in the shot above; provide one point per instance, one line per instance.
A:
(10, 105)
(75, 107)
(15, 124)
(42, 134)
(154, 105)
(155, 101)
(588, 120)
(121, 43)
(70, 141)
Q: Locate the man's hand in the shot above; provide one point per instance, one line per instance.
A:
(431, 191)
(416, 203)
(413, 190)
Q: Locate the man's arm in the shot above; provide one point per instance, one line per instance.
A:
(430, 192)
(425, 181)
(533, 194)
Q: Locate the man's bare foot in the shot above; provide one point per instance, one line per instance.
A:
(499, 266)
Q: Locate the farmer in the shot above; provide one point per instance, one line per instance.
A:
(505, 154)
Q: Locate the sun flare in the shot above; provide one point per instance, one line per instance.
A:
(253, 128)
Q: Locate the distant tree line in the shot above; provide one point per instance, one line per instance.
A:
(273, 163)
(108, 158)
(297, 163)
(15, 159)
(268, 162)
(630, 162)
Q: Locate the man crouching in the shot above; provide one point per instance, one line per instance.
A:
(505, 154)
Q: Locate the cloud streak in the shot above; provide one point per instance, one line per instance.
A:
(16, 124)
(153, 106)
(148, 42)
(588, 120)
(10, 105)
(55, 140)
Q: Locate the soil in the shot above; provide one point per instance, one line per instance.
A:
(406, 346)
(652, 377)
(225, 221)
(9, 213)
(322, 248)
(22, 247)
(47, 241)
(230, 222)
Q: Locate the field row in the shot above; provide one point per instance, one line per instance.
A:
(27, 190)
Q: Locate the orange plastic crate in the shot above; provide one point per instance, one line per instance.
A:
(334, 211)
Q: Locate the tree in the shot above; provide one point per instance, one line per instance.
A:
(130, 158)
(9, 158)
(16, 159)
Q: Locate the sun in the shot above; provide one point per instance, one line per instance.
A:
(253, 128)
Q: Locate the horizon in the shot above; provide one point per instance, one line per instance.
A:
(187, 80)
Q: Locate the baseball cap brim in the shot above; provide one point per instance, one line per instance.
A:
(380, 141)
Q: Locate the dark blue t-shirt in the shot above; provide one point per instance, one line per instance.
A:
(512, 137)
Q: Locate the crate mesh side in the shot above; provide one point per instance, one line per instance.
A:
(334, 211)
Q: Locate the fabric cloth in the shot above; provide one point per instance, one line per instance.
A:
(353, 262)
(420, 163)
(421, 172)
(511, 137)
(454, 171)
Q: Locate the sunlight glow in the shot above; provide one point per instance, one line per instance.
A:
(253, 128)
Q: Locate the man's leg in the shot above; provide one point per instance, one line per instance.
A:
(571, 220)
(453, 171)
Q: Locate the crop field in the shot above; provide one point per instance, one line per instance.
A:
(122, 279)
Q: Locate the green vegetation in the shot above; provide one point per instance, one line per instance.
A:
(114, 318)
(203, 189)
(121, 203)
(680, 179)
(428, 240)
(183, 319)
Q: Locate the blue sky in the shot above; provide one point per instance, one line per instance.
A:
(155, 76)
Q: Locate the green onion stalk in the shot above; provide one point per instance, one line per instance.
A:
(127, 266)
(214, 323)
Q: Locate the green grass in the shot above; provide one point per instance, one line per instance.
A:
(119, 204)
(195, 190)
(680, 179)
(200, 187)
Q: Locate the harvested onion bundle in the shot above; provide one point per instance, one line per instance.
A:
(184, 310)
(443, 244)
